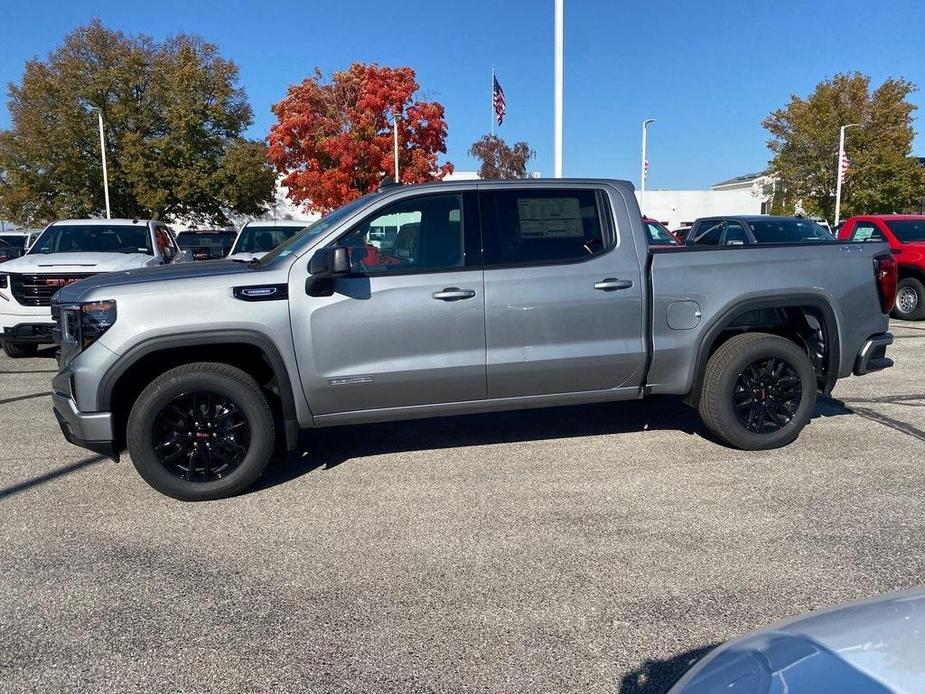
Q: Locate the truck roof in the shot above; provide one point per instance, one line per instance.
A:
(101, 222)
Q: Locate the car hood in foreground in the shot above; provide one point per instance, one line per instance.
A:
(178, 271)
(52, 263)
(874, 646)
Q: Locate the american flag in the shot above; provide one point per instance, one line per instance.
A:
(497, 98)
(844, 164)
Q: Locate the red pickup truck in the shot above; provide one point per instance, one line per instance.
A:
(906, 235)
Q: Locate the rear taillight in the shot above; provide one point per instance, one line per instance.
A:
(886, 272)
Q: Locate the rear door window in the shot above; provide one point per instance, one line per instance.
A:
(531, 227)
(866, 231)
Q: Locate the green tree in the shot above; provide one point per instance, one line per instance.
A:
(499, 160)
(883, 177)
(174, 119)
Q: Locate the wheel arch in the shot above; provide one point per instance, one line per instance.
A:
(248, 350)
(781, 315)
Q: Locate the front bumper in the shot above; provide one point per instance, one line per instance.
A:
(91, 430)
(34, 333)
(872, 355)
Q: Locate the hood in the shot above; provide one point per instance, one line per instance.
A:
(871, 646)
(179, 271)
(52, 263)
(246, 256)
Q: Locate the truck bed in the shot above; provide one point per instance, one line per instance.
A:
(714, 282)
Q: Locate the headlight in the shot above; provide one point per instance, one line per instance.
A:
(83, 324)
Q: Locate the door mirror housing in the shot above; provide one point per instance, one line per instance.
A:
(330, 262)
(325, 265)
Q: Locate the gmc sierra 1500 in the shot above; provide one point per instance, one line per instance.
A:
(481, 295)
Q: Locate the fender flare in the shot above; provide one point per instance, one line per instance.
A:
(723, 320)
(161, 343)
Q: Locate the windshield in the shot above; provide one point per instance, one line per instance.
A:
(263, 239)
(329, 220)
(908, 230)
(788, 231)
(659, 235)
(194, 239)
(94, 238)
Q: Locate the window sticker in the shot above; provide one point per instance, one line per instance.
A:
(549, 218)
(863, 233)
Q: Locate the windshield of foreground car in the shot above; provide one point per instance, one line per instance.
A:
(329, 220)
(788, 231)
(263, 239)
(908, 230)
(94, 238)
(199, 239)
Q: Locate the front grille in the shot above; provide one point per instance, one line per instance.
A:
(37, 290)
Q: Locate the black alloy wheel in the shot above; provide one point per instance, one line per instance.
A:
(201, 436)
(767, 395)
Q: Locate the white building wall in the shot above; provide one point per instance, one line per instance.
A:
(677, 207)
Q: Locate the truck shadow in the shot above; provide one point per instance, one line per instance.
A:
(655, 676)
(327, 448)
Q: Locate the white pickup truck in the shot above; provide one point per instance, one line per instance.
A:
(66, 252)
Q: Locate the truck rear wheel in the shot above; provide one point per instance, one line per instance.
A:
(910, 299)
(20, 350)
(201, 431)
(759, 391)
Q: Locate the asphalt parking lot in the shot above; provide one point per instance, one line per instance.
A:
(589, 549)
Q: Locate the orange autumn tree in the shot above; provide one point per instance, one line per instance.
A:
(333, 140)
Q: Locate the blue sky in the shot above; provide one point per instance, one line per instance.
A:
(708, 70)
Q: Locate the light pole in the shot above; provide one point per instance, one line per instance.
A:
(557, 96)
(642, 166)
(395, 142)
(840, 174)
(99, 113)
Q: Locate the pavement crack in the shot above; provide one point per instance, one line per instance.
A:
(894, 424)
(25, 397)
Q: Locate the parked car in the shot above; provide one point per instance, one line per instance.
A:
(872, 646)
(207, 244)
(499, 295)
(754, 229)
(658, 234)
(13, 244)
(66, 252)
(906, 236)
(259, 238)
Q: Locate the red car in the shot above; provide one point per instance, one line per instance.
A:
(658, 234)
(906, 235)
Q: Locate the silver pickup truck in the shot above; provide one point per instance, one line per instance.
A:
(451, 298)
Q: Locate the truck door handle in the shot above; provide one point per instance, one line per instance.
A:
(612, 284)
(453, 294)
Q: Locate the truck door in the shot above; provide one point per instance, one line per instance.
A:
(563, 292)
(407, 327)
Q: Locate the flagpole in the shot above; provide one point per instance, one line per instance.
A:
(838, 180)
(492, 101)
(557, 88)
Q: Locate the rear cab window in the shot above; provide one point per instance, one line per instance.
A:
(531, 226)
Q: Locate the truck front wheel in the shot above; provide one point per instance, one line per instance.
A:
(910, 299)
(201, 431)
(759, 391)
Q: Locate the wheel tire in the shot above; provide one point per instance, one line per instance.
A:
(910, 299)
(20, 350)
(220, 380)
(722, 374)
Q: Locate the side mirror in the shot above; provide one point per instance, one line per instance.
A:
(330, 262)
(325, 265)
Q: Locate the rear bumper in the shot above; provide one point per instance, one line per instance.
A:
(872, 355)
(93, 430)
